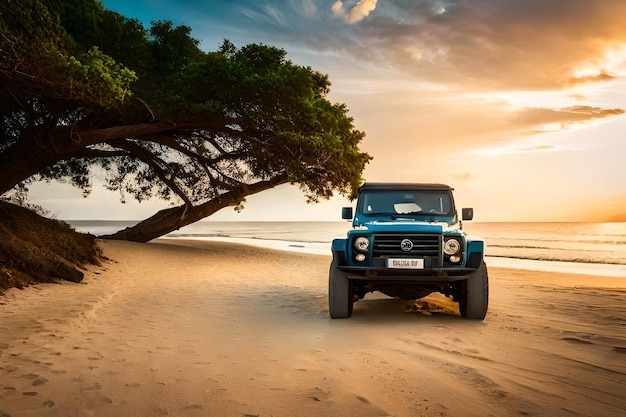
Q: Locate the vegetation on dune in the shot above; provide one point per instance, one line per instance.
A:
(37, 249)
(83, 88)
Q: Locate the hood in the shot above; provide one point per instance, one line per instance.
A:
(408, 226)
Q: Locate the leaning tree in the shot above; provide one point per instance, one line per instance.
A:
(84, 88)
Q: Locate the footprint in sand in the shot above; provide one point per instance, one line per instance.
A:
(39, 381)
(91, 387)
(577, 340)
(577, 337)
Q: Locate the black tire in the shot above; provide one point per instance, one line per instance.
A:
(474, 297)
(340, 297)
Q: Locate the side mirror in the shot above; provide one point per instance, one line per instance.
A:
(467, 213)
(346, 213)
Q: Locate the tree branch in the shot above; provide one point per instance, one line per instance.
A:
(168, 220)
(88, 153)
(150, 159)
(172, 143)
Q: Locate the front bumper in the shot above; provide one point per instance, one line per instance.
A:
(406, 275)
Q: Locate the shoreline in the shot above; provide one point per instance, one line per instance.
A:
(323, 248)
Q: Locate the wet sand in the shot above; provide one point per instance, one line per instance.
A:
(196, 328)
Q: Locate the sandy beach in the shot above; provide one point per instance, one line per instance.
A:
(197, 328)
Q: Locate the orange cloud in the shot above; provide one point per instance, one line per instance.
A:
(495, 44)
(602, 76)
(536, 117)
(464, 177)
(357, 13)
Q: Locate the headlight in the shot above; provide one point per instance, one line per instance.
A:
(451, 247)
(361, 244)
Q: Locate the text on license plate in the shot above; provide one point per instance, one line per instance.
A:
(405, 263)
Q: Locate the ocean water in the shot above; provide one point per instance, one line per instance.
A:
(598, 248)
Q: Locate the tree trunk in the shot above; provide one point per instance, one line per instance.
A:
(32, 154)
(14, 172)
(168, 220)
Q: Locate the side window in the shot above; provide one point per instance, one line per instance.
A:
(378, 203)
(375, 203)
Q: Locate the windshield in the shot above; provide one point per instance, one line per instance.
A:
(402, 202)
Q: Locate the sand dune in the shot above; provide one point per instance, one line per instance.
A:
(193, 328)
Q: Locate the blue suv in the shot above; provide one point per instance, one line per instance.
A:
(407, 241)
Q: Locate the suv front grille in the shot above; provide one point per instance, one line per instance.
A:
(423, 245)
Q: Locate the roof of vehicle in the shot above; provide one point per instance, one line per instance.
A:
(404, 186)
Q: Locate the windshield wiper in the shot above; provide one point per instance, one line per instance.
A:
(380, 213)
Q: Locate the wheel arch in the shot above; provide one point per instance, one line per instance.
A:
(339, 251)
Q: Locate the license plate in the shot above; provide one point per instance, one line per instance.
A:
(405, 263)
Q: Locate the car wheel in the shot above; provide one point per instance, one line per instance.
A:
(340, 297)
(474, 297)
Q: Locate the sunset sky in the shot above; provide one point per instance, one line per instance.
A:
(519, 105)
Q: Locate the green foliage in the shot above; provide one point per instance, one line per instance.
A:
(99, 80)
(39, 62)
(74, 171)
(26, 30)
(172, 47)
(182, 124)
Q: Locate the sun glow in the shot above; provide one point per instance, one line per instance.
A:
(519, 148)
(587, 72)
(518, 100)
(611, 64)
(615, 60)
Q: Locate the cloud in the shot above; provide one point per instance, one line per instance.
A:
(602, 76)
(357, 13)
(464, 176)
(361, 10)
(337, 8)
(306, 8)
(565, 117)
(522, 148)
(490, 44)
